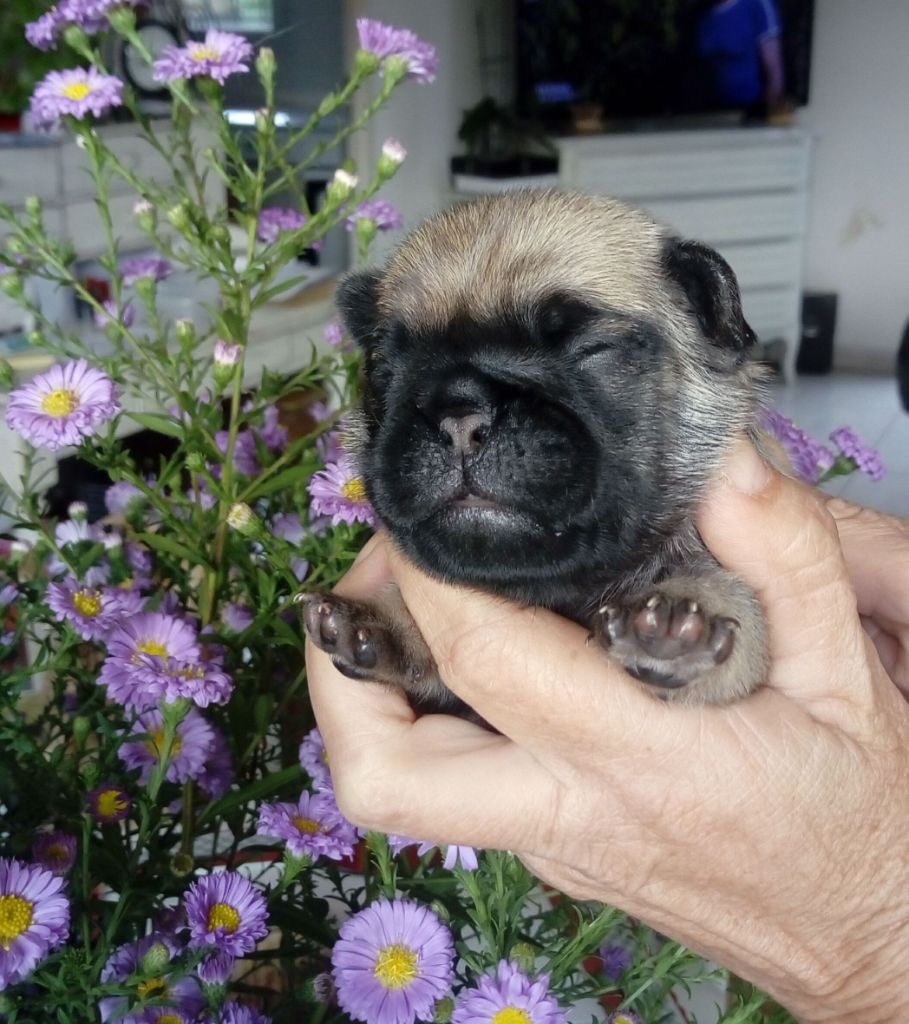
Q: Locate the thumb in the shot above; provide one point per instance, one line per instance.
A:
(776, 534)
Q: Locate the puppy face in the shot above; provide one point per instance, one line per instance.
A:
(547, 381)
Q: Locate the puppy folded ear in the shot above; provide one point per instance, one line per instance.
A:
(712, 291)
(357, 299)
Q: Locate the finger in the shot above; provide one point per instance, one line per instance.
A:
(530, 673)
(777, 535)
(427, 778)
(876, 550)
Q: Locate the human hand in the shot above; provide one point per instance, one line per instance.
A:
(876, 550)
(769, 835)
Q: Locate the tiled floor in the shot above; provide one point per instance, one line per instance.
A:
(871, 406)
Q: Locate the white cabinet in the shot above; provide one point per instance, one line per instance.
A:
(741, 190)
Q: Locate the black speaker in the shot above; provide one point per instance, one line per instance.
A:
(902, 369)
(815, 353)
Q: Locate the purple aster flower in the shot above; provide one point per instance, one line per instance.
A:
(189, 752)
(851, 446)
(288, 526)
(204, 681)
(74, 531)
(217, 775)
(271, 436)
(334, 334)
(219, 55)
(465, 856)
(43, 33)
(92, 611)
(34, 918)
(55, 851)
(111, 314)
(89, 15)
(108, 803)
(313, 827)
(385, 214)
(273, 220)
(225, 910)
(8, 594)
(76, 92)
(63, 405)
(154, 267)
(809, 458)
(314, 758)
(624, 1017)
(338, 491)
(184, 994)
(392, 963)
(236, 617)
(616, 960)
(237, 1013)
(386, 41)
(122, 497)
(529, 1001)
(141, 653)
(216, 969)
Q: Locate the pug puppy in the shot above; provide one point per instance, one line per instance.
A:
(549, 382)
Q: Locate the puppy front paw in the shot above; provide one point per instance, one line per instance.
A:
(359, 647)
(663, 640)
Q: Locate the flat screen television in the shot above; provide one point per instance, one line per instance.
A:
(646, 59)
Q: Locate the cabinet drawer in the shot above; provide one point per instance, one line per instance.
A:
(765, 264)
(641, 176)
(31, 171)
(730, 219)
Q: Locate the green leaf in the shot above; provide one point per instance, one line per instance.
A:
(255, 791)
(158, 422)
(284, 480)
(161, 542)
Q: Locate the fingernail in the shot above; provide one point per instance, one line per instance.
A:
(745, 470)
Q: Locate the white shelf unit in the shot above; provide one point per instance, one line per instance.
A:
(743, 191)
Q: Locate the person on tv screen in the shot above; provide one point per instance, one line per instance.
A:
(741, 41)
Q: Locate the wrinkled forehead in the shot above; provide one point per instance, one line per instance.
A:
(485, 259)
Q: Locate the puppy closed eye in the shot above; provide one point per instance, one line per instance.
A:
(560, 318)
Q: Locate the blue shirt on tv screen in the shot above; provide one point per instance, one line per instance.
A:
(729, 36)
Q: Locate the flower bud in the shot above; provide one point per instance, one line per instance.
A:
(227, 358)
(195, 462)
(185, 330)
(33, 207)
(74, 36)
(182, 864)
(146, 288)
(524, 955)
(144, 213)
(179, 216)
(77, 510)
(443, 1011)
(262, 120)
(319, 989)
(396, 68)
(156, 958)
(240, 517)
(219, 234)
(367, 229)
(35, 338)
(6, 374)
(81, 726)
(265, 63)
(112, 541)
(122, 20)
(392, 156)
(11, 285)
(341, 187)
(16, 246)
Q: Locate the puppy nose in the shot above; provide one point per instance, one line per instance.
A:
(467, 433)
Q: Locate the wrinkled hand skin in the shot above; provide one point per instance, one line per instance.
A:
(769, 835)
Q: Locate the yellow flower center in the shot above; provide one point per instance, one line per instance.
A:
(56, 854)
(169, 1018)
(307, 825)
(200, 53)
(87, 602)
(223, 915)
(152, 647)
(152, 987)
(111, 803)
(15, 917)
(354, 490)
(396, 966)
(511, 1015)
(60, 402)
(76, 90)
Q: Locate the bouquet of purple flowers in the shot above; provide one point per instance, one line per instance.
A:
(171, 849)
